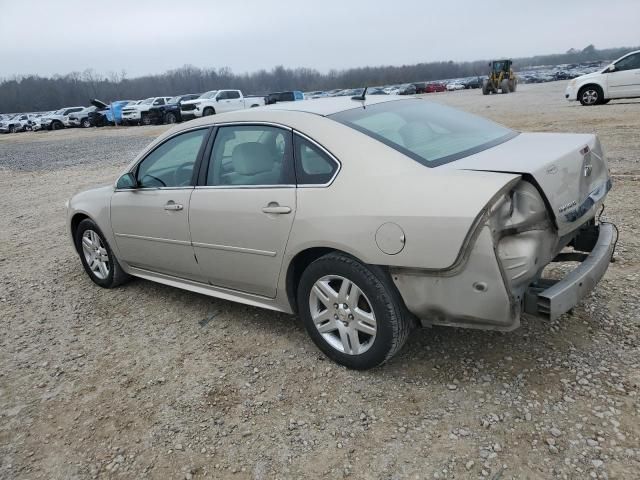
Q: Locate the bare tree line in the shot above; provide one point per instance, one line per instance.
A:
(35, 93)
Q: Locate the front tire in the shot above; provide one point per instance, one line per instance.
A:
(96, 256)
(208, 112)
(590, 95)
(56, 125)
(485, 87)
(352, 311)
(85, 123)
(170, 118)
(504, 86)
(145, 120)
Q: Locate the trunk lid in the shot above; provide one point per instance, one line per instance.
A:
(569, 168)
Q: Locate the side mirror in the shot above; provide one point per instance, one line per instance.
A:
(611, 68)
(127, 182)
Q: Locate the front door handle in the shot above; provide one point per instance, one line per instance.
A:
(173, 206)
(277, 209)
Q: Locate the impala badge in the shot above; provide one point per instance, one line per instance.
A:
(567, 206)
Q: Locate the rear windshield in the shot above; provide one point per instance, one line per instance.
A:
(430, 133)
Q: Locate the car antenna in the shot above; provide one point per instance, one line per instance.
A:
(362, 96)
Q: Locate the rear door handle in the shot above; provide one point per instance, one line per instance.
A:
(277, 209)
(173, 206)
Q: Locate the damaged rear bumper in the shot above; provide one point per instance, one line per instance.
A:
(551, 298)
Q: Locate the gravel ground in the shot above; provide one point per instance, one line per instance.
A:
(43, 150)
(146, 381)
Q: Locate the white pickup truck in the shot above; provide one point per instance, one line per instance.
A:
(139, 113)
(218, 101)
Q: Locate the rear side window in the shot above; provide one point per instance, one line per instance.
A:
(313, 165)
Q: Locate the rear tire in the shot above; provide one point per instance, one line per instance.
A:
(513, 84)
(13, 129)
(363, 321)
(112, 274)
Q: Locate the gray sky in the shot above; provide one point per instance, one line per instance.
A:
(151, 36)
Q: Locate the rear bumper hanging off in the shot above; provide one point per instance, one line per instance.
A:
(550, 298)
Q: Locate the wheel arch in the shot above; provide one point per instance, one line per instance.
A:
(297, 266)
(304, 258)
(73, 225)
(590, 84)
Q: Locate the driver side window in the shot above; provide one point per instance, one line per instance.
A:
(171, 164)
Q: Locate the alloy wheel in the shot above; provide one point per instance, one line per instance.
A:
(343, 314)
(95, 254)
(590, 96)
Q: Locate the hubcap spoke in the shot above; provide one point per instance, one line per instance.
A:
(344, 338)
(365, 322)
(344, 290)
(353, 296)
(330, 326)
(327, 295)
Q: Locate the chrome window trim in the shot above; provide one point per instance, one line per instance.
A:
(241, 187)
(249, 123)
(326, 152)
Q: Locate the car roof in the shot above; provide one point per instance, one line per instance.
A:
(331, 105)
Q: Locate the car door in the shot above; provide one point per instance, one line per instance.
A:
(241, 214)
(229, 100)
(151, 220)
(624, 81)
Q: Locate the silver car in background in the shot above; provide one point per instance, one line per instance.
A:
(365, 217)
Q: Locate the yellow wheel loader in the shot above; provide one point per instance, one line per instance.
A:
(501, 77)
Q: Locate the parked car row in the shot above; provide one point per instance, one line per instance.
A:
(590, 83)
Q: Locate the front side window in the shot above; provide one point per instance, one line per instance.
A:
(250, 155)
(629, 63)
(313, 166)
(159, 101)
(430, 133)
(171, 164)
(232, 95)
